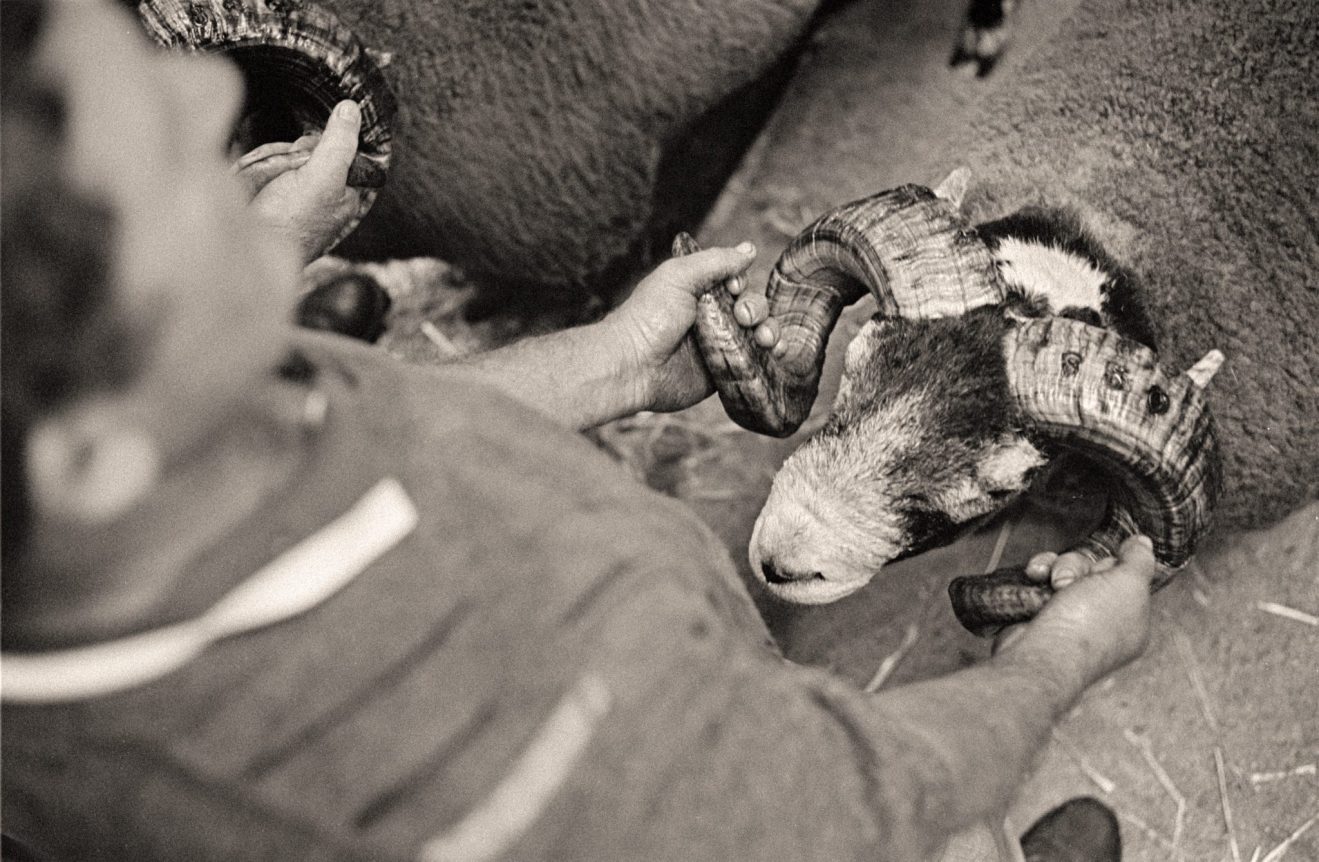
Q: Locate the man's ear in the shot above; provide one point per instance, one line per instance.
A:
(88, 465)
(1009, 464)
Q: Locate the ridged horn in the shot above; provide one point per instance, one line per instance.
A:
(912, 250)
(298, 61)
(1090, 389)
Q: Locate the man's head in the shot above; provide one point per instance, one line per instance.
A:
(139, 301)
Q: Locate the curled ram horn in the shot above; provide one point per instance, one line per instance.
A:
(1092, 390)
(298, 63)
(909, 248)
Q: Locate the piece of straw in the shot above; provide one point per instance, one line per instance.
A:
(1100, 780)
(1258, 778)
(1288, 613)
(1278, 852)
(1193, 673)
(1227, 809)
(891, 661)
(1149, 830)
(999, 544)
(439, 339)
(1142, 744)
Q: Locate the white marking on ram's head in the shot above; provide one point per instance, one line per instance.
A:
(1061, 278)
(921, 441)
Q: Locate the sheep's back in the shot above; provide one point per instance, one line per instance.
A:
(1189, 135)
(530, 135)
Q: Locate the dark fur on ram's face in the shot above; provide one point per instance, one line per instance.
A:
(922, 440)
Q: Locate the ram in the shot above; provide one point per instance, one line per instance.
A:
(992, 350)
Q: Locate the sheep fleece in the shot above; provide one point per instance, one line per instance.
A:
(529, 133)
(1188, 134)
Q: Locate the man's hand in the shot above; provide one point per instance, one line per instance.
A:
(653, 326)
(640, 357)
(1096, 622)
(300, 189)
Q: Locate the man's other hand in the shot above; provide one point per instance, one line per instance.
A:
(654, 325)
(1097, 621)
(300, 188)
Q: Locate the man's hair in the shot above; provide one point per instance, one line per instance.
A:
(62, 335)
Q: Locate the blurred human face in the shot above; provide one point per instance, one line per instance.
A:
(145, 133)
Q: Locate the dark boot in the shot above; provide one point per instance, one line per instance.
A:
(1080, 830)
(354, 305)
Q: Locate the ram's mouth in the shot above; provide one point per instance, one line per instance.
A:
(817, 591)
(297, 64)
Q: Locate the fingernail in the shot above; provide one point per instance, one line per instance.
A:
(347, 110)
(1063, 578)
(1146, 541)
(742, 313)
(747, 248)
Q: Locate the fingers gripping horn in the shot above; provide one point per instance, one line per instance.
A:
(1088, 388)
(912, 250)
(298, 61)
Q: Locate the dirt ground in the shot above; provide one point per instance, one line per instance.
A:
(1207, 747)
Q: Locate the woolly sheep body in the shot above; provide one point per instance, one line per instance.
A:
(1186, 135)
(530, 135)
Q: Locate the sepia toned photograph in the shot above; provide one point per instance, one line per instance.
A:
(674, 430)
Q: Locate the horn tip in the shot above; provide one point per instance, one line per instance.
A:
(1204, 370)
(684, 243)
(954, 187)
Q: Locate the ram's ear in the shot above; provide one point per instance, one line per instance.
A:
(859, 350)
(1009, 464)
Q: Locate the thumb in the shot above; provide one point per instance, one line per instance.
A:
(1136, 559)
(697, 272)
(338, 144)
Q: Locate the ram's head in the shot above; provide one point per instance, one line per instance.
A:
(921, 441)
(952, 397)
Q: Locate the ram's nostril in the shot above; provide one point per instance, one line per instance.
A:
(776, 575)
(772, 574)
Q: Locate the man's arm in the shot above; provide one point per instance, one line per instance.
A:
(578, 377)
(640, 357)
(981, 728)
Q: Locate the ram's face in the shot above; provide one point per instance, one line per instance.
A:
(921, 441)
